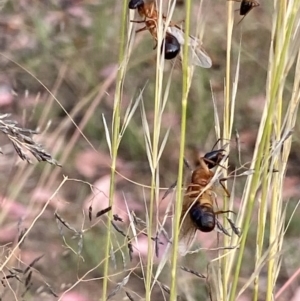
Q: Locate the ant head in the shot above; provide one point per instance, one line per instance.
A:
(133, 4)
(246, 6)
(213, 158)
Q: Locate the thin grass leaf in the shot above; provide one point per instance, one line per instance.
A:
(246, 173)
(165, 288)
(80, 243)
(165, 234)
(50, 290)
(130, 247)
(166, 92)
(261, 263)
(212, 249)
(163, 144)
(133, 229)
(18, 270)
(26, 290)
(216, 115)
(21, 235)
(163, 261)
(118, 229)
(113, 257)
(123, 259)
(32, 264)
(107, 135)
(146, 132)
(238, 146)
(130, 111)
(129, 296)
(277, 146)
(28, 278)
(235, 83)
(60, 228)
(169, 190)
(129, 244)
(168, 291)
(137, 220)
(119, 286)
(66, 224)
(156, 246)
(13, 276)
(291, 216)
(155, 239)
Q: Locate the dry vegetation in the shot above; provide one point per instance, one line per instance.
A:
(112, 135)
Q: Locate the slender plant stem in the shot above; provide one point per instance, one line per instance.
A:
(284, 34)
(227, 132)
(115, 142)
(155, 147)
(179, 196)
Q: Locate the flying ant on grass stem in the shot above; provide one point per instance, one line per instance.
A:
(198, 204)
(246, 7)
(174, 36)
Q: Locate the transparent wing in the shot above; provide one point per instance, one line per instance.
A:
(188, 230)
(197, 56)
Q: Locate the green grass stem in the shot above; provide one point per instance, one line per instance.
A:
(186, 73)
(115, 140)
(271, 126)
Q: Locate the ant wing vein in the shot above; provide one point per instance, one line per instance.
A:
(186, 240)
(197, 56)
(187, 231)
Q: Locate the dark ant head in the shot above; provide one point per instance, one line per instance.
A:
(133, 4)
(213, 158)
(204, 218)
(246, 6)
(172, 47)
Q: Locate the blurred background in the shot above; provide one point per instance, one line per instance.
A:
(70, 48)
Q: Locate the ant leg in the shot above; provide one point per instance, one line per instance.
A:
(190, 192)
(169, 190)
(236, 230)
(225, 189)
(241, 19)
(137, 21)
(176, 24)
(141, 29)
(212, 162)
(224, 211)
(221, 139)
(155, 45)
(221, 228)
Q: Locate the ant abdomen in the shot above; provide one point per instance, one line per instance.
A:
(203, 217)
(172, 47)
